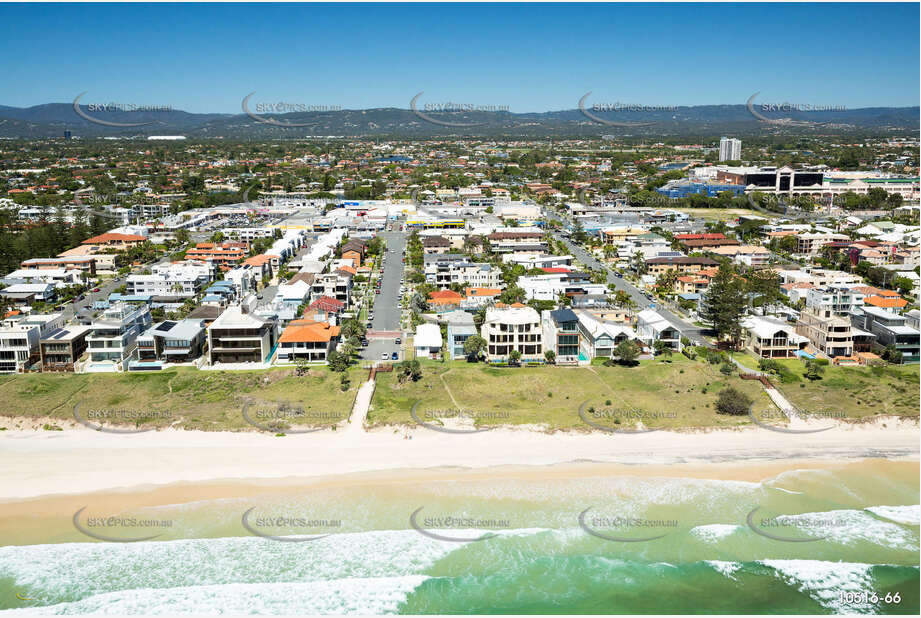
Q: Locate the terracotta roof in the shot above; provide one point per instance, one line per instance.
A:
(483, 292)
(328, 304)
(347, 269)
(112, 237)
(556, 269)
(258, 260)
(888, 303)
(445, 294)
(308, 331)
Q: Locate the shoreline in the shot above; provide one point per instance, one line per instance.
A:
(74, 462)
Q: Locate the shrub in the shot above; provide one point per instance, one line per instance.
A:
(733, 401)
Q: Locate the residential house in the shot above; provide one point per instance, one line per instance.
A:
(113, 337)
(652, 327)
(435, 245)
(460, 328)
(561, 334)
(175, 341)
(237, 336)
(476, 298)
(28, 293)
(427, 341)
(444, 300)
(20, 335)
(890, 329)
(60, 349)
(769, 337)
(600, 337)
(309, 340)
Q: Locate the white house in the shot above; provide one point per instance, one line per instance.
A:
(427, 341)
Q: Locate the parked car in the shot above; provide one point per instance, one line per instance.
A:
(377, 291)
(364, 343)
(95, 289)
(394, 356)
(385, 356)
(397, 341)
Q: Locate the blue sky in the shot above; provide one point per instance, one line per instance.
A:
(530, 57)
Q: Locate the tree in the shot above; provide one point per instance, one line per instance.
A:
(663, 349)
(550, 356)
(892, 354)
(514, 357)
(474, 347)
(725, 304)
(408, 370)
(733, 401)
(627, 351)
(337, 362)
(814, 370)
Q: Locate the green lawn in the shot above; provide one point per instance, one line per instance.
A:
(857, 392)
(680, 393)
(185, 397)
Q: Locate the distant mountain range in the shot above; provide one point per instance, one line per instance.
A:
(52, 119)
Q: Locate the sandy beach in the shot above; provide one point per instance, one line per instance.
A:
(78, 461)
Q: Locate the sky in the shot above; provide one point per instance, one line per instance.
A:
(526, 57)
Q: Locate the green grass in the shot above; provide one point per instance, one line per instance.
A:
(676, 394)
(854, 392)
(186, 398)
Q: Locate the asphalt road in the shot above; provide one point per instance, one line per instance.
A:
(386, 305)
(689, 330)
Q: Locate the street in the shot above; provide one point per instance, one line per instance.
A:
(689, 330)
(386, 305)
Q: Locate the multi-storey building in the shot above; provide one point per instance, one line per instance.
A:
(827, 331)
(62, 348)
(890, 329)
(513, 327)
(19, 339)
(561, 334)
(769, 337)
(175, 341)
(113, 336)
(237, 336)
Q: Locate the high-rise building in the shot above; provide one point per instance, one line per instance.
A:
(730, 149)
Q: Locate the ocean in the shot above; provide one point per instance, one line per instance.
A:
(842, 539)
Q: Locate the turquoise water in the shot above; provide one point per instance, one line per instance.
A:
(539, 559)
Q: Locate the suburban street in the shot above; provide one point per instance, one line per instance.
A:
(386, 305)
(689, 330)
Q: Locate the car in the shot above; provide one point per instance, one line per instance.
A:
(385, 356)
(397, 341)
(394, 356)
(259, 296)
(368, 325)
(377, 291)
(95, 289)
(364, 343)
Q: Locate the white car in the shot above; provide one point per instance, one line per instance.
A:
(385, 356)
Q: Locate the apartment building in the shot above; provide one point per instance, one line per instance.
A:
(751, 256)
(83, 264)
(684, 265)
(60, 349)
(769, 337)
(474, 274)
(810, 243)
(837, 299)
(336, 285)
(513, 327)
(827, 331)
(113, 336)
(115, 241)
(237, 336)
(225, 255)
(19, 339)
(181, 279)
(552, 285)
(562, 335)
